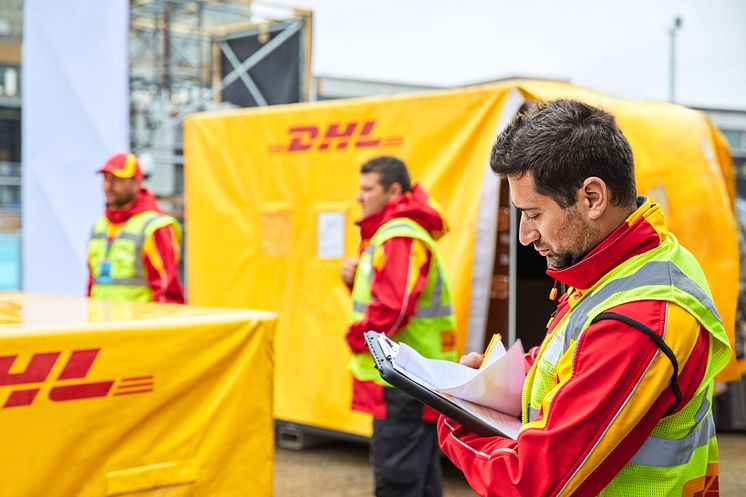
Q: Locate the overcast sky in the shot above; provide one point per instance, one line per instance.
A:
(618, 47)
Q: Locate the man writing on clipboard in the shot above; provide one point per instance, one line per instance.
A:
(400, 288)
(617, 401)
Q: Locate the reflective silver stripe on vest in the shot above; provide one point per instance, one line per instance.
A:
(120, 236)
(361, 307)
(655, 273)
(619, 411)
(435, 309)
(532, 414)
(128, 281)
(393, 226)
(370, 250)
(665, 453)
(138, 279)
(139, 240)
(421, 312)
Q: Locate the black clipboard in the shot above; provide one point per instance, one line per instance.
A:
(434, 399)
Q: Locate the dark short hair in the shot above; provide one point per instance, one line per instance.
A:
(390, 169)
(562, 143)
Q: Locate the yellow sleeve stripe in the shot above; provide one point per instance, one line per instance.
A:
(151, 252)
(682, 331)
(379, 257)
(417, 258)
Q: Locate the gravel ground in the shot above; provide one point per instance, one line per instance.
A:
(341, 470)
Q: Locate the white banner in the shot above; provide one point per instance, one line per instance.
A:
(75, 99)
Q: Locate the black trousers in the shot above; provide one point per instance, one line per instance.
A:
(404, 450)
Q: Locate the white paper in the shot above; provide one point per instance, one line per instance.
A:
(507, 425)
(331, 230)
(390, 349)
(497, 385)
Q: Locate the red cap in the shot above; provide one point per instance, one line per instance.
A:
(122, 165)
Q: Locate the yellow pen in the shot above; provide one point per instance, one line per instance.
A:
(495, 338)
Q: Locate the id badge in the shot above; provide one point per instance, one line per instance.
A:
(104, 272)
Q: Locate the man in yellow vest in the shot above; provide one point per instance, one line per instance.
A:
(617, 399)
(133, 251)
(400, 288)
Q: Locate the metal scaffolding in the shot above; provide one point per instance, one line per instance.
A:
(181, 61)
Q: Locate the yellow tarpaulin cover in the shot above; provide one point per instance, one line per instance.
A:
(103, 399)
(270, 210)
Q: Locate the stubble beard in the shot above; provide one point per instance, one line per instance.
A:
(587, 238)
(120, 202)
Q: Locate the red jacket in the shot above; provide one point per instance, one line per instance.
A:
(399, 264)
(608, 399)
(160, 258)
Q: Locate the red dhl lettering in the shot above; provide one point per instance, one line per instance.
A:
(77, 367)
(336, 136)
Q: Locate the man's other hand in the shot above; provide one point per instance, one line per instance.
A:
(472, 360)
(348, 271)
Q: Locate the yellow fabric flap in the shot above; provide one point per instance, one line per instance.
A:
(153, 476)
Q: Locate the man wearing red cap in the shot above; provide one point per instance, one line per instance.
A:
(133, 252)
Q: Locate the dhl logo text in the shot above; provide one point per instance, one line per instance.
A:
(67, 385)
(335, 136)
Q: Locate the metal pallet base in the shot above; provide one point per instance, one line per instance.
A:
(296, 436)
